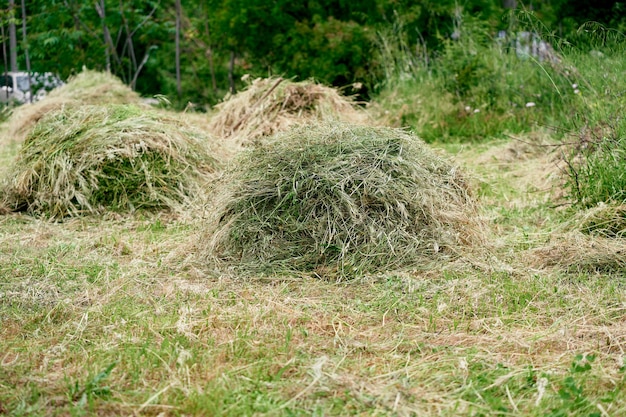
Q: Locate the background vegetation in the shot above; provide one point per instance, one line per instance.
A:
(335, 42)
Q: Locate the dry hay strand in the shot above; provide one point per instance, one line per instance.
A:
(118, 157)
(272, 105)
(88, 87)
(575, 252)
(339, 200)
(222, 150)
(608, 220)
(534, 145)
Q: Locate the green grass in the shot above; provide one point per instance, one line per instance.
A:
(478, 92)
(104, 315)
(477, 89)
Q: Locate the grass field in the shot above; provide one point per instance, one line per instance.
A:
(115, 314)
(111, 316)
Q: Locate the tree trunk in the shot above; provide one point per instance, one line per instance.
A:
(128, 47)
(110, 49)
(231, 70)
(4, 53)
(101, 9)
(209, 53)
(4, 91)
(26, 55)
(12, 37)
(133, 82)
(509, 4)
(179, 89)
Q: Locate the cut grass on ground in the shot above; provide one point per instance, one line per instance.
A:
(109, 316)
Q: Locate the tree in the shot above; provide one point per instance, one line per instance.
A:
(178, 25)
(26, 56)
(12, 37)
(213, 41)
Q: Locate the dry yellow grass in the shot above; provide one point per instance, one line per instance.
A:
(607, 220)
(272, 105)
(577, 252)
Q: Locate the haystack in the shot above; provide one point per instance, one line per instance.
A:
(88, 87)
(272, 105)
(339, 200)
(117, 157)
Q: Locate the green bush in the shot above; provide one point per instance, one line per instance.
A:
(597, 126)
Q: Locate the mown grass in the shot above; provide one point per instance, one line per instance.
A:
(340, 200)
(112, 315)
(109, 316)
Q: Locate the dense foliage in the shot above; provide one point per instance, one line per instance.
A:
(335, 42)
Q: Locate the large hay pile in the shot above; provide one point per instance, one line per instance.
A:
(119, 157)
(340, 200)
(88, 87)
(272, 105)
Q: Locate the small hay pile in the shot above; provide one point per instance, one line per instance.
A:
(608, 220)
(339, 200)
(88, 87)
(592, 241)
(576, 252)
(272, 105)
(93, 87)
(119, 157)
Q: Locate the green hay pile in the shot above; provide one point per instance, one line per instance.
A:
(272, 105)
(93, 87)
(118, 157)
(340, 200)
(88, 87)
